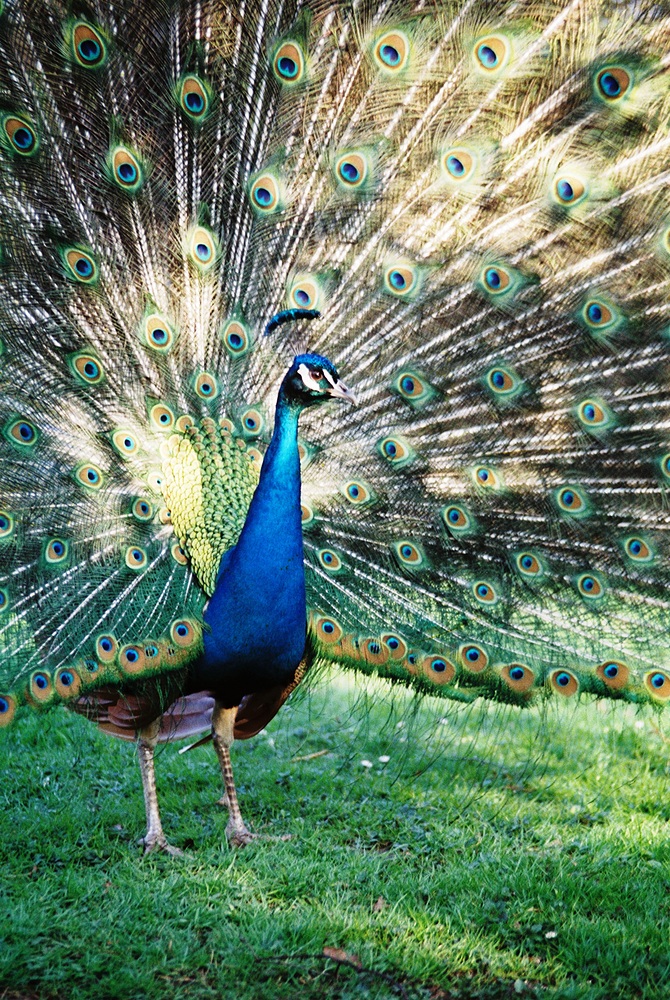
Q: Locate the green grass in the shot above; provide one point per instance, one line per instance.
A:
(496, 854)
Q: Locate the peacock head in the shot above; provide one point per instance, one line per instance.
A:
(313, 379)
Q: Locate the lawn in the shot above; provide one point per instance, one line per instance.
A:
(437, 852)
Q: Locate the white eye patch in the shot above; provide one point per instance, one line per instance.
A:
(310, 383)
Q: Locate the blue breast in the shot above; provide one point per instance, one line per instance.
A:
(256, 619)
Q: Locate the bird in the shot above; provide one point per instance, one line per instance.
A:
(217, 219)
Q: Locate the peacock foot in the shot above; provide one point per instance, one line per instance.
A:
(158, 842)
(237, 835)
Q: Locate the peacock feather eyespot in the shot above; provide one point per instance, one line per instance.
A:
(91, 666)
(86, 367)
(612, 83)
(396, 645)
(194, 97)
(373, 651)
(125, 170)
(307, 515)
(305, 292)
(473, 658)
(256, 458)
(136, 557)
(657, 683)
(637, 549)
(90, 476)
(484, 592)
(396, 451)
(178, 554)
(132, 658)
(142, 510)
(162, 417)
(306, 453)
(409, 555)
(458, 165)
(289, 63)
(4, 601)
(22, 433)
(491, 54)
(252, 422)
(203, 248)
(67, 682)
(7, 709)
(438, 669)
(358, 493)
(236, 338)
(266, 193)
(156, 333)
(353, 170)
(590, 586)
(330, 560)
(600, 317)
(80, 265)
(458, 520)
(106, 648)
(206, 386)
(19, 135)
(155, 481)
(504, 383)
(151, 650)
(413, 388)
(500, 282)
(402, 280)
(56, 551)
(124, 443)
(183, 423)
(614, 674)
(6, 525)
(594, 415)
(563, 682)
(568, 190)
(597, 314)
(496, 280)
(184, 633)
(41, 687)
(391, 52)
(529, 565)
(326, 629)
(572, 500)
(485, 477)
(87, 46)
(518, 677)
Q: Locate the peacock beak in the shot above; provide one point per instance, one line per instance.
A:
(340, 391)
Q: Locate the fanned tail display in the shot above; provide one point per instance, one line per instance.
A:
(465, 208)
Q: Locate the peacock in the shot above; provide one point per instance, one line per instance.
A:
(214, 218)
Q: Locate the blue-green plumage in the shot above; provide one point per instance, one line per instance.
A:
(470, 205)
(256, 620)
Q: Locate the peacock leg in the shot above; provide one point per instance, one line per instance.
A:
(154, 840)
(223, 726)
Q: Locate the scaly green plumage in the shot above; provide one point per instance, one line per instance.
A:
(475, 199)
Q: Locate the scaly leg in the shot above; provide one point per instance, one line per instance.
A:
(223, 727)
(154, 840)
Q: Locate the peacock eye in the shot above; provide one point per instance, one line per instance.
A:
(316, 374)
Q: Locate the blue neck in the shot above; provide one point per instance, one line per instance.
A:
(273, 523)
(257, 615)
